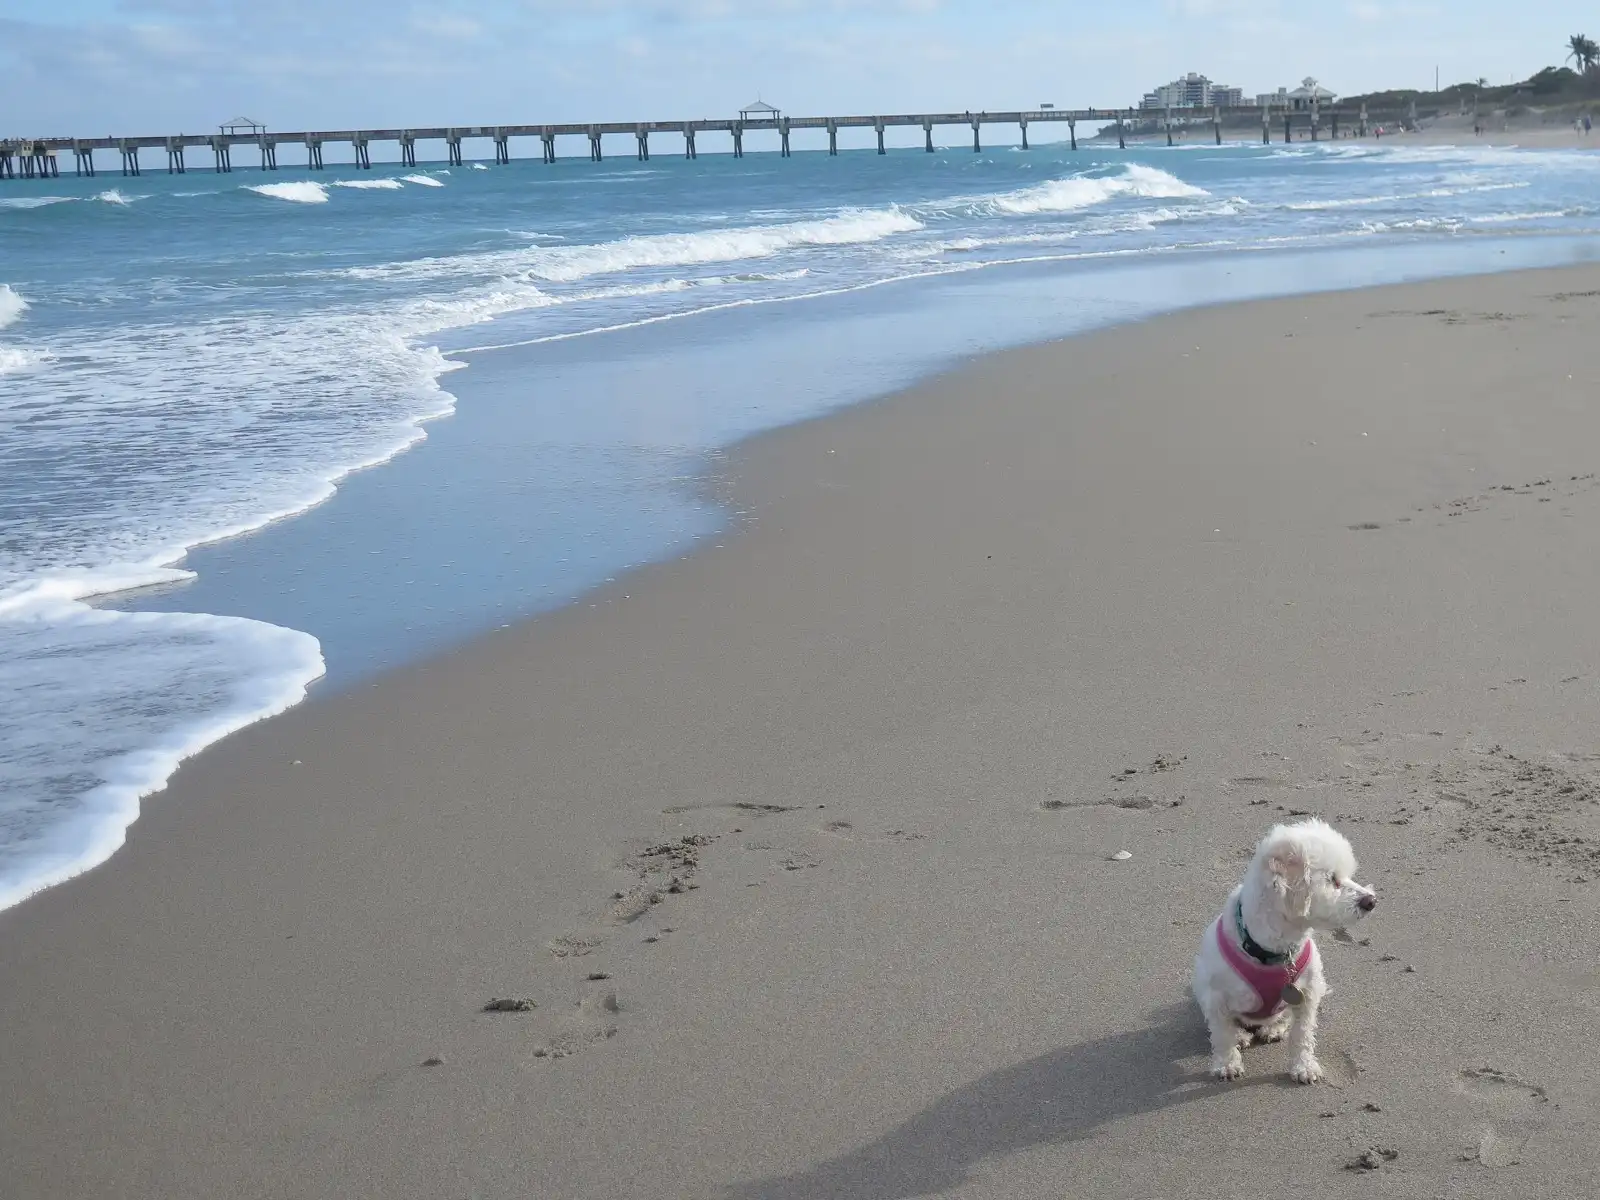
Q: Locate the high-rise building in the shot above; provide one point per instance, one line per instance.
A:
(1192, 91)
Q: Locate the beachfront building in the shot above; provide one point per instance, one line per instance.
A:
(1298, 99)
(1192, 91)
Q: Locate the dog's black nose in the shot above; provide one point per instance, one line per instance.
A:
(1367, 903)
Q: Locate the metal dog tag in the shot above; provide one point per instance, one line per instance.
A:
(1293, 996)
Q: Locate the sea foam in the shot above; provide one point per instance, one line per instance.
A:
(24, 202)
(301, 191)
(375, 185)
(567, 264)
(160, 686)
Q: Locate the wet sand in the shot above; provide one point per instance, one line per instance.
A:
(801, 847)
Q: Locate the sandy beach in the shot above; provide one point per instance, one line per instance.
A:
(1493, 129)
(802, 846)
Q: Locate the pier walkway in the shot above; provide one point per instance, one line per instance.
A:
(38, 158)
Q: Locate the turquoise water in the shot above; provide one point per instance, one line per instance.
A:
(183, 359)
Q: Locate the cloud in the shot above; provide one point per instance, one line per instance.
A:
(451, 26)
(148, 66)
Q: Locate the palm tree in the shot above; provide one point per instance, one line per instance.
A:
(1583, 51)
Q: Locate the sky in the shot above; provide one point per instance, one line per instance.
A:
(138, 67)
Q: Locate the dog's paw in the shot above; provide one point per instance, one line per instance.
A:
(1306, 1070)
(1227, 1068)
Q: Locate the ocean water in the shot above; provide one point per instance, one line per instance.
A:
(193, 369)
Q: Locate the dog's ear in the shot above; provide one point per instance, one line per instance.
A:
(1289, 868)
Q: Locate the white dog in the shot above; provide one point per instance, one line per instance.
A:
(1258, 974)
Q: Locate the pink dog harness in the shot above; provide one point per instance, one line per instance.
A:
(1267, 980)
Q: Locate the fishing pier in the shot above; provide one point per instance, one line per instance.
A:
(40, 157)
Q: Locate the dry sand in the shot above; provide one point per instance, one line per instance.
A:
(1148, 590)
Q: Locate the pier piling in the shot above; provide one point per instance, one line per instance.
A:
(269, 152)
(452, 145)
(502, 148)
(175, 164)
(833, 137)
(1072, 134)
(221, 153)
(1024, 126)
(1216, 122)
(927, 130)
(688, 142)
(738, 139)
(83, 159)
(1167, 121)
(977, 141)
(548, 141)
(408, 149)
(878, 125)
(313, 152)
(1288, 133)
(783, 135)
(358, 143)
(130, 157)
(39, 161)
(642, 137)
(1122, 134)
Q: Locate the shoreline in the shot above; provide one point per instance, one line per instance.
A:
(1502, 136)
(369, 611)
(892, 710)
(290, 537)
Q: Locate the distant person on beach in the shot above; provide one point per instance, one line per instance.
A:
(1587, 124)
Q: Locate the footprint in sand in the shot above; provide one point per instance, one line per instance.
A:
(1136, 803)
(1340, 1069)
(634, 903)
(742, 806)
(1517, 1107)
(593, 1020)
(848, 832)
(573, 945)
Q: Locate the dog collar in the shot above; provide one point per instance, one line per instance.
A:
(1249, 945)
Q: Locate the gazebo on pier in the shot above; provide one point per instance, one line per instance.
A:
(758, 111)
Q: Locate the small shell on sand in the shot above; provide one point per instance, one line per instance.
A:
(1122, 856)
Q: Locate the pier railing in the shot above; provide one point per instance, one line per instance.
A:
(38, 158)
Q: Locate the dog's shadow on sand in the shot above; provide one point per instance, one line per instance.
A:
(1058, 1097)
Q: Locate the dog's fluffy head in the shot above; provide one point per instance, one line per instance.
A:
(1306, 871)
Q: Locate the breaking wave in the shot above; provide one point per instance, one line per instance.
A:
(301, 191)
